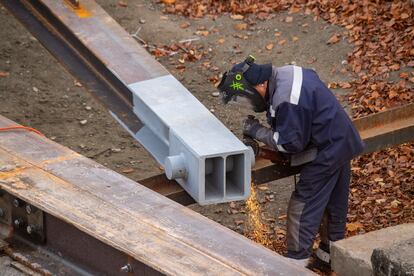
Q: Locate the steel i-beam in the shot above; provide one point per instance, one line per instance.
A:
(193, 146)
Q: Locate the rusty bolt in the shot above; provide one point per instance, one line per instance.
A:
(126, 268)
(18, 222)
(30, 209)
(16, 202)
(30, 229)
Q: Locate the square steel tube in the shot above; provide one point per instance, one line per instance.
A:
(194, 147)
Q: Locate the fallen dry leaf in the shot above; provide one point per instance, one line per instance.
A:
(334, 39)
(345, 85)
(202, 33)
(392, 94)
(168, 2)
(289, 19)
(295, 38)
(236, 16)
(394, 67)
(280, 232)
(185, 25)
(269, 46)
(404, 75)
(221, 41)
(4, 74)
(129, 170)
(332, 85)
(282, 217)
(240, 26)
(404, 15)
(282, 42)
(352, 227)
(123, 4)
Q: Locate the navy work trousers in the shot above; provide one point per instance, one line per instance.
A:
(314, 195)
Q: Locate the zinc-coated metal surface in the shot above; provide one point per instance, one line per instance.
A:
(122, 214)
(193, 146)
(379, 131)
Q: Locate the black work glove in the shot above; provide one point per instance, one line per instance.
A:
(250, 142)
(250, 126)
(253, 129)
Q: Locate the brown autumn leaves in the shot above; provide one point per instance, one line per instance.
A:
(382, 35)
(381, 62)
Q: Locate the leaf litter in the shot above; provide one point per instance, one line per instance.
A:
(382, 35)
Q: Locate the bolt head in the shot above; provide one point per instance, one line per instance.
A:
(16, 202)
(29, 209)
(18, 222)
(126, 268)
(30, 229)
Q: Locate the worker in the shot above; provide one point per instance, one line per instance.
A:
(305, 119)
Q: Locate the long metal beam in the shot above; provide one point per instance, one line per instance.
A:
(103, 221)
(388, 128)
(379, 131)
(192, 145)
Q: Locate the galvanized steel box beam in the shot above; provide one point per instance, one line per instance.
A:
(193, 146)
(103, 221)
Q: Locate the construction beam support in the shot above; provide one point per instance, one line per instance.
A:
(192, 145)
(103, 221)
(379, 131)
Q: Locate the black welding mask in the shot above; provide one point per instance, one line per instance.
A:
(235, 88)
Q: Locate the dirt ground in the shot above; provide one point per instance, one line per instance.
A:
(39, 93)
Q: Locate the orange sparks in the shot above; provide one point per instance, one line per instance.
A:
(256, 229)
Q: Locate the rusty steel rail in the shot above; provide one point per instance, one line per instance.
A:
(378, 131)
(102, 221)
(388, 128)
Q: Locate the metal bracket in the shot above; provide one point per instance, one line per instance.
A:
(25, 219)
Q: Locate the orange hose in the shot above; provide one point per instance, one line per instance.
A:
(22, 128)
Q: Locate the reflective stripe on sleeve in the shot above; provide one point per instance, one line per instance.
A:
(296, 85)
(276, 138)
(272, 112)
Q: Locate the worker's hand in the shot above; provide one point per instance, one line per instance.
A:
(250, 142)
(250, 126)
